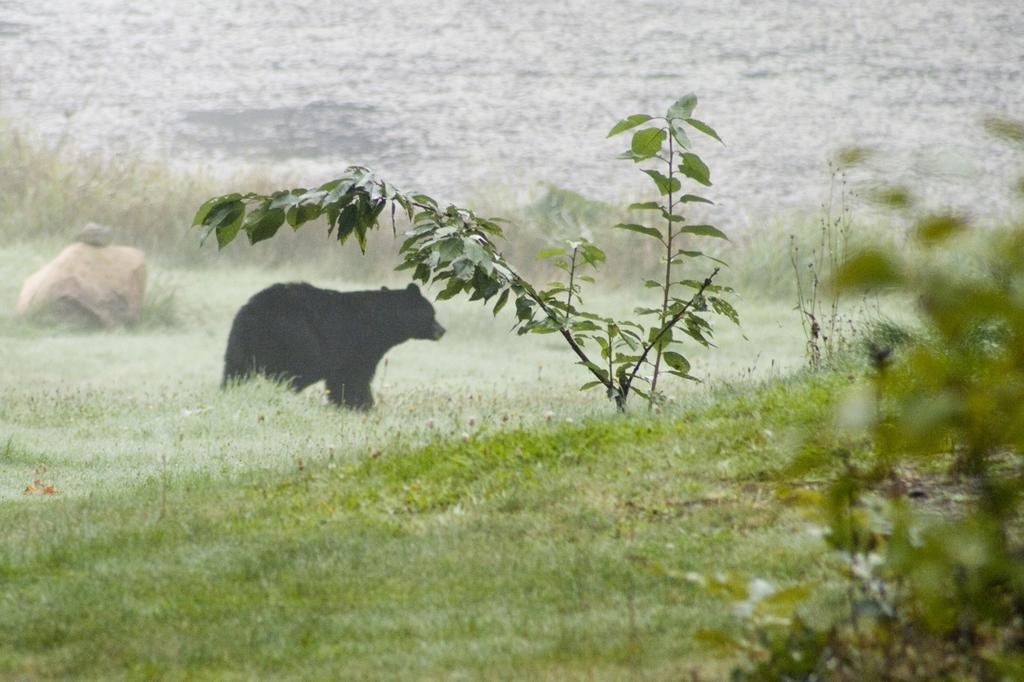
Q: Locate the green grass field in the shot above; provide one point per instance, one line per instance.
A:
(487, 520)
(106, 409)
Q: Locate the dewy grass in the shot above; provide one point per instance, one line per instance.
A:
(486, 520)
(543, 552)
(105, 410)
(463, 528)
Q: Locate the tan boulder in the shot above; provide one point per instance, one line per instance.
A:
(87, 284)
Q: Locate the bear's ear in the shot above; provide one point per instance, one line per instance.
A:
(413, 288)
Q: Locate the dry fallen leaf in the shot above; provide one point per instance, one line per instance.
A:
(37, 487)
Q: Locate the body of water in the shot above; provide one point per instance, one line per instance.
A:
(456, 97)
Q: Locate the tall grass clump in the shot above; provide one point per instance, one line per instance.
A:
(51, 190)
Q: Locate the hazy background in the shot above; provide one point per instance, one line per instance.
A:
(459, 98)
(487, 519)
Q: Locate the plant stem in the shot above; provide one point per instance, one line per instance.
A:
(572, 279)
(668, 273)
(611, 353)
(517, 280)
(671, 323)
(620, 399)
(794, 258)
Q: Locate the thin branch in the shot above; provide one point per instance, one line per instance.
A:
(572, 278)
(607, 382)
(664, 330)
(668, 269)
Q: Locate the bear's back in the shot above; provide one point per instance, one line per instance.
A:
(343, 316)
(285, 299)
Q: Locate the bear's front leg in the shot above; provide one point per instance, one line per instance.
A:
(350, 393)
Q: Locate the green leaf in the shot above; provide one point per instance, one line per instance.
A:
(331, 184)
(704, 128)
(645, 206)
(298, 215)
(704, 231)
(204, 211)
(892, 196)
(663, 336)
(939, 227)
(1007, 129)
(723, 307)
(347, 222)
(524, 307)
(676, 361)
(424, 200)
(718, 640)
(263, 224)
(784, 602)
(628, 122)
(629, 155)
(848, 157)
(696, 254)
(224, 212)
(548, 253)
(647, 311)
(683, 108)
(502, 299)
(227, 233)
(475, 251)
(680, 136)
(600, 372)
(452, 289)
(642, 229)
(868, 269)
(691, 198)
(697, 336)
(665, 185)
(592, 253)
(284, 199)
(647, 143)
(226, 220)
(672, 217)
(450, 248)
(584, 326)
(693, 167)
(463, 268)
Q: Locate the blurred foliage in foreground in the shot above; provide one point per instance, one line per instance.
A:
(935, 591)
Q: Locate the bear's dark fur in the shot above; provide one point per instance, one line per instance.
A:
(301, 334)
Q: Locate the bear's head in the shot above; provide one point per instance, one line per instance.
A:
(418, 315)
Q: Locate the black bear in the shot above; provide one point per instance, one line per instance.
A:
(301, 334)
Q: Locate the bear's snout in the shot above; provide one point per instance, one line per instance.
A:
(437, 332)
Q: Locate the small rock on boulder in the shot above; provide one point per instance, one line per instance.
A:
(88, 285)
